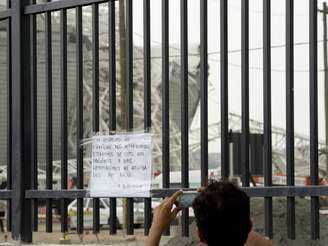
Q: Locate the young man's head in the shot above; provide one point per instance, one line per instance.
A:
(222, 213)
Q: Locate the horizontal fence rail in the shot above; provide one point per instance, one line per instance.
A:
(274, 191)
(23, 191)
(5, 14)
(6, 194)
(58, 5)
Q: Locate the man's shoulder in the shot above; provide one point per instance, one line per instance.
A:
(255, 239)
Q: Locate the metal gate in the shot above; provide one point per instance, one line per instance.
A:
(22, 192)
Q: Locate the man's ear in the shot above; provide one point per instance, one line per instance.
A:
(200, 235)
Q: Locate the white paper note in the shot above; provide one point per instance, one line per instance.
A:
(121, 165)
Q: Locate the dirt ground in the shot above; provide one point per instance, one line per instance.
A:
(303, 222)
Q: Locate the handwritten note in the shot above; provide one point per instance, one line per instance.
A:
(121, 165)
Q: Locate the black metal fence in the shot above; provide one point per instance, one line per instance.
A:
(22, 192)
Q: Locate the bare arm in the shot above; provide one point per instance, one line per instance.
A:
(255, 239)
(163, 215)
(154, 237)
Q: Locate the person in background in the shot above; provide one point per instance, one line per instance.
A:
(222, 214)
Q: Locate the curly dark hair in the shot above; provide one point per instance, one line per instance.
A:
(222, 213)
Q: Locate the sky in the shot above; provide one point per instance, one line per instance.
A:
(301, 59)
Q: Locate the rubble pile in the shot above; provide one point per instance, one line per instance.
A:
(303, 222)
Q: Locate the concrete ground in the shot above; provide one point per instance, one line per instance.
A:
(303, 230)
(88, 238)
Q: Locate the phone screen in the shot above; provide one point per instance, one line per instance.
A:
(186, 199)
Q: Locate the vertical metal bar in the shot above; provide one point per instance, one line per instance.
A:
(79, 115)
(34, 152)
(203, 94)
(9, 120)
(21, 123)
(129, 61)
(95, 67)
(253, 152)
(95, 97)
(267, 114)
(224, 89)
(165, 98)
(184, 110)
(315, 229)
(290, 115)
(147, 95)
(112, 96)
(165, 94)
(245, 90)
(48, 74)
(325, 64)
(63, 111)
(235, 138)
(129, 86)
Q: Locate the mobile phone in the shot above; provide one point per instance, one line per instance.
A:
(187, 198)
